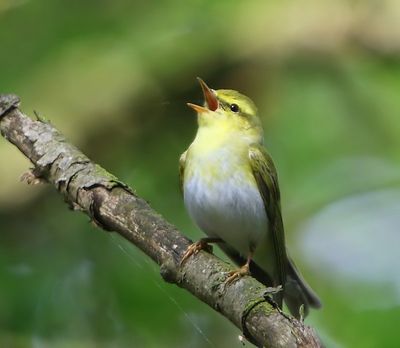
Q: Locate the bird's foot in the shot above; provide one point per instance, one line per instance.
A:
(237, 274)
(194, 248)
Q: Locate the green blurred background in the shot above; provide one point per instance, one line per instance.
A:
(114, 77)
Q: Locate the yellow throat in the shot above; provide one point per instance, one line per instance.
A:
(228, 125)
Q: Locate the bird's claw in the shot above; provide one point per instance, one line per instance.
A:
(193, 249)
(236, 275)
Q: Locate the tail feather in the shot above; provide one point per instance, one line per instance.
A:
(298, 292)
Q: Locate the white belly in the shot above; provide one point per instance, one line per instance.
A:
(229, 208)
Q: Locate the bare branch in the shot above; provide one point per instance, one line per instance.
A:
(113, 206)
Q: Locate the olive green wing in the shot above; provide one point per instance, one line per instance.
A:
(267, 180)
(182, 162)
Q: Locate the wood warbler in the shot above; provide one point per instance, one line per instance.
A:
(231, 191)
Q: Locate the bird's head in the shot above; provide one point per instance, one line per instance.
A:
(228, 110)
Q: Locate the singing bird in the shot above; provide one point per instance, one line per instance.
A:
(230, 188)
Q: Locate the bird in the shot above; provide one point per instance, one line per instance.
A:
(230, 190)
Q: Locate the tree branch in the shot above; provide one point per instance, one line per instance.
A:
(113, 206)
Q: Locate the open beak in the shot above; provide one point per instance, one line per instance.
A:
(209, 96)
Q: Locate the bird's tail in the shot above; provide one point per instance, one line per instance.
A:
(298, 292)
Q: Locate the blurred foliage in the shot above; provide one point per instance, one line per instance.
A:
(114, 77)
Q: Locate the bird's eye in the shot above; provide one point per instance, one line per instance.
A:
(234, 107)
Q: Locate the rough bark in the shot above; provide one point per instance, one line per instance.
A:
(113, 206)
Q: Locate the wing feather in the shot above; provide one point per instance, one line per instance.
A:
(267, 180)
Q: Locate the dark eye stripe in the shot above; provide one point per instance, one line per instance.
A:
(223, 105)
(227, 106)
